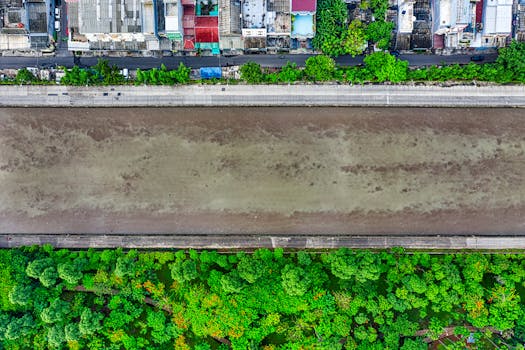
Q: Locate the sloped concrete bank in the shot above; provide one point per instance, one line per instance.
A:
(262, 95)
(82, 241)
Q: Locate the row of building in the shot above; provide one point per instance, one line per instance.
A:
(235, 26)
(191, 25)
(445, 25)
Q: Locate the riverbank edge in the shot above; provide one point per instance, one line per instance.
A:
(329, 95)
(166, 241)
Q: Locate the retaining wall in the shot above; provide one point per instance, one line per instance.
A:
(262, 95)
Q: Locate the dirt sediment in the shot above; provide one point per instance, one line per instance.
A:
(263, 170)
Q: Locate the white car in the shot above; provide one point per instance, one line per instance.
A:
(57, 26)
(57, 13)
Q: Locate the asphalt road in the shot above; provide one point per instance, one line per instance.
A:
(210, 61)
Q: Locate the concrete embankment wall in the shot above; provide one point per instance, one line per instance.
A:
(262, 95)
(439, 243)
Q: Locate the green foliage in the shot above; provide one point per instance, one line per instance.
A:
(56, 336)
(352, 299)
(251, 73)
(20, 294)
(331, 27)
(72, 332)
(106, 74)
(379, 32)
(354, 40)
(231, 282)
(320, 68)
(379, 8)
(125, 266)
(512, 60)
(163, 76)
(24, 76)
(71, 272)
(289, 73)
(417, 344)
(77, 76)
(36, 267)
(295, 280)
(384, 67)
(184, 270)
(89, 322)
(249, 269)
(19, 327)
(56, 312)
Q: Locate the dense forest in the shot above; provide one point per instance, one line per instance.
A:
(268, 299)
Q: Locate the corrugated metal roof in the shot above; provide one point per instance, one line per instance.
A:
(498, 17)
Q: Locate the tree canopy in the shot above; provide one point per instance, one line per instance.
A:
(351, 299)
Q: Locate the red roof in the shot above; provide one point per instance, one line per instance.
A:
(207, 35)
(207, 21)
(303, 5)
(189, 44)
(479, 11)
(207, 29)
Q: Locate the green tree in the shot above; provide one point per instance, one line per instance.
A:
(320, 68)
(24, 76)
(250, 269)
(56, 312)
(251, 73)
(414, 344)
(354, 40)
(89, 322)
(379, 8)
(108, 75)
(331, 26)
(125, 266)
(20, 294)
(512, 61)
(56, 336)
(181, 75)
(72, 332)
(289, 73)
(231, 282)
(36, 267)
(295, 280)
(385, 67)
(379, 32)
(20, 327)
(71, 272)
(49, 277)
(184, 270)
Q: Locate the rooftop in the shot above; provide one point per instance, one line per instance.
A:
(498, 17)
(253, 14)
(110, 16)
(304, 5)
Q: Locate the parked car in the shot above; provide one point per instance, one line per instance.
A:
(57, 13)
(395, 53)
(477, 58)
(57, 26)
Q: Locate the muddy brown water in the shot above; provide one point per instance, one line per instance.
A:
(262, 170)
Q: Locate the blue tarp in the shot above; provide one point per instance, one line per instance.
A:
(211, 73)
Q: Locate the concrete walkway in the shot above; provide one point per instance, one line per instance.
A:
(440, 243)
(262, 95)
